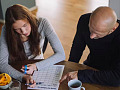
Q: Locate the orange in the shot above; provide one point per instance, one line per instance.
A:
(4, 79)
(7, 77)
(4, 83)
(1, 78)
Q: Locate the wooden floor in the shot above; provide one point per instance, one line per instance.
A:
(64, 15)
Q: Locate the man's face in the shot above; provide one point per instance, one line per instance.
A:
(97, 30)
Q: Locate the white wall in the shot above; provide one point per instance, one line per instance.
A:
(4, 4)
(115, 5)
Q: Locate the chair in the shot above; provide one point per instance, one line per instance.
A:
(45, 45)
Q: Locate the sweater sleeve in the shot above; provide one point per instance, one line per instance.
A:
(4, 56)
(55, 43)
(78, 45)
(108, 77)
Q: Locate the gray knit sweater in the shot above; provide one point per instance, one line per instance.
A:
(46, 30)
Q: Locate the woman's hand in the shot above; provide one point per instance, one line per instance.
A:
(69, 76)
(29, 80)
(30, 68)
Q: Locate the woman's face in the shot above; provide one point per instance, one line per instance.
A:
(22, 27)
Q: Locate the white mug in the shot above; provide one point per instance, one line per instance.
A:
(75, 85)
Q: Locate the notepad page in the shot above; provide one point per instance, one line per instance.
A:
(48, 78)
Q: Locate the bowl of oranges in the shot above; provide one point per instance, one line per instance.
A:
(5, 81)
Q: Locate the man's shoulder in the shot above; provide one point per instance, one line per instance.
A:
(118, 21)
(87, 15)
(84, 18)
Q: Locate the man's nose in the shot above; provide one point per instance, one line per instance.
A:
(92, 35)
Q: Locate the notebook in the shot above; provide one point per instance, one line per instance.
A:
(48, 78)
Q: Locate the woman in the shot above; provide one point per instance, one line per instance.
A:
(22, 38)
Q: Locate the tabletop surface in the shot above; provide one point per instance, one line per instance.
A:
(69, 66)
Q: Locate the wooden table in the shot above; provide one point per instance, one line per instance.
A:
(69, 66)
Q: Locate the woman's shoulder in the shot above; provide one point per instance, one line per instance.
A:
(44, 24)
(42, 20)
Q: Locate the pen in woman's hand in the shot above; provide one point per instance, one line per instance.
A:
(24, 69)
(37, 83)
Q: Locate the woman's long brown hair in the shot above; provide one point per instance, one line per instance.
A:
(14, 42)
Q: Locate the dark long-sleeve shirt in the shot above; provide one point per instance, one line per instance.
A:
(104, 55)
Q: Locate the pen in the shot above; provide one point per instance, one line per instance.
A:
(28, 84)
(25, 70)
(36, 83)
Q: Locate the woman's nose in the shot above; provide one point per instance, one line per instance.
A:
(23, 30)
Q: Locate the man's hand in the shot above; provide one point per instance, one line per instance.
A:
(69, 76)
(29, 80)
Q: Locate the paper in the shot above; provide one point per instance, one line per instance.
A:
(48, 78)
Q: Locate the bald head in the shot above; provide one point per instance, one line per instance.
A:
(104, 15)
(103, 19)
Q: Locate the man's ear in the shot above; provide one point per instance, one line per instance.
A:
(113, 28)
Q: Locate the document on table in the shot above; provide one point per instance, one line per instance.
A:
(48, 78)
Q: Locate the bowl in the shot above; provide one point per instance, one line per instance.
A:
(6, 86)
(5, 81)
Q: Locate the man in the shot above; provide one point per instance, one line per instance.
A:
(100, 31)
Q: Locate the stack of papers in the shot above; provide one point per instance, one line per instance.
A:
(48, 78)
